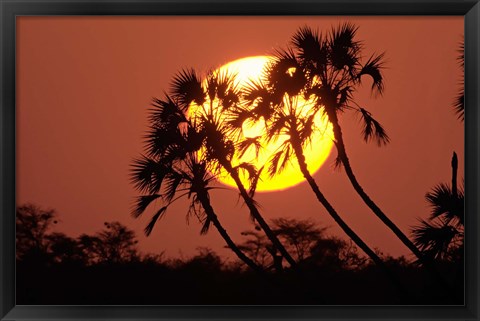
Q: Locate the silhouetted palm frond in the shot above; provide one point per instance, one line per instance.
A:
(166, 113)
(459, 103)
(258, 96)
(221, 85)
(434, 239)
(254, 181)
(280, 159)
(372, 129)
(206, 226)
(373, 68)
(344, 49)
(172, 181)
(149, 228)
(187, 88)
(285, 74)
(142, 203)
(147, 175)
(445, 204)
(459, 106)
(312, 51)
(248, 142)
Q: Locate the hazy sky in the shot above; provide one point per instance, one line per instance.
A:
(84, 86)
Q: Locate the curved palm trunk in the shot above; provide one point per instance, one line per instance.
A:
(343, 225)
(256, 214)
(342, 153)
(205, 201)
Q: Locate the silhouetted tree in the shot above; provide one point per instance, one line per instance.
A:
(173, 169)
(64, 249)
(328, 69)
(276, 99)
(308, 243)
(114, 244)
(442, 234)
(216, 95)
(33, 225)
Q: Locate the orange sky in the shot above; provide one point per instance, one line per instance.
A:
(84, 85)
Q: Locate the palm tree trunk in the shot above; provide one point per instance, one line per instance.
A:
(343, 225)
(342, 153)
(205, 201)
(256, 214)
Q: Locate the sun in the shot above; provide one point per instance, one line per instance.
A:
(316, 152)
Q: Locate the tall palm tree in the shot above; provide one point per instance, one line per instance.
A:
(332, 71)
(279, 97)
(445, 227)
(206, 102)
(172, 170)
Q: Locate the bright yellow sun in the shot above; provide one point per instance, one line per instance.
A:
(316, 152)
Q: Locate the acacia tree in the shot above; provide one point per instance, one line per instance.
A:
(210, 98)
(173, 169)
(114, 244)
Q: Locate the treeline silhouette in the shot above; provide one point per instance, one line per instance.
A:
(108, 268)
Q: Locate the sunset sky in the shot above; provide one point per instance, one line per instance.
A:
(84, 87)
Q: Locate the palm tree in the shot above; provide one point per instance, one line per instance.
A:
(277, 99)
(172, 170)
(445, 227)
(208, 101)
(331, 70)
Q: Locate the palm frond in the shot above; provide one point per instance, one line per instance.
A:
(373, 68)
(285, 75)
(141, 204)
(159, 138)
(147, 175)
(287, 154)
(172, 182)
(273, 168)
(308, 127)
(344, 50)
(249, 168)
(248, 142)
(459, 105)
(311, 49)
(276, 127)
(372, 130)
(433, 238)
(337, 163)
(236, 117)
(257, 95)
(254, 182)
(445, 204)
(206, 226)
(166, 112)
(187, 88)
(149, 228)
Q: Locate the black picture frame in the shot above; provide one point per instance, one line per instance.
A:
(10, 9)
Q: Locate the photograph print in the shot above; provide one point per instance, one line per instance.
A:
(240, 160)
